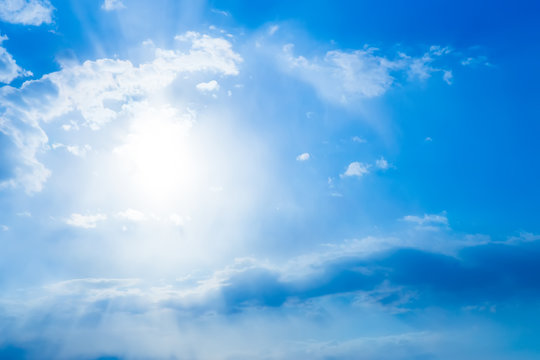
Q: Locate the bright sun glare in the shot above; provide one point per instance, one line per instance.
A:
(156, 155)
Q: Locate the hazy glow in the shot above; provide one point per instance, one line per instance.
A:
(156, 156)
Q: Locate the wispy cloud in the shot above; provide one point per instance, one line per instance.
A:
(110, 5)
(26, 12)
(85, 221)
(428, 221)
(344, 76)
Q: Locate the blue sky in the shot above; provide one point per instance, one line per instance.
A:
(244, 180)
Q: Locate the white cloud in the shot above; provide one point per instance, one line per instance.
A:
(85, 221)
(356, 169)
(382, 164)
(272, 30)
(131, 215)
(343, 76)
(303, 157)
(427, 219)
(428, 139)
(210, 86)
(474, 61)
(73, 149)
(4, 227)
(523, 237)
(109, 5)
(447, 76)
(9, 69)
(26, 12)
(422, 68)
(87, 90)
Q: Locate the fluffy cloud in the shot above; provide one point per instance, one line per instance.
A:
(9, 69)
(26, 12)
(89, 89)
(356, 169)
(210, 86)
(85, 221)
(303, 157)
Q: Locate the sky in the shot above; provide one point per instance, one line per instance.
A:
(269, 180)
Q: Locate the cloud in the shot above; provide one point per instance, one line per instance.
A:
(356, 169)
(303, 157)
(26, 12)
(358, 139)
(210, 86)
(221, 12)
(341, 76)
(309, 306)
(131, 215)
(85, 221)
(382, 164)
(73, 149)
(421, 68)
(447, 76)
(4, 227)
(427, 219)
(344, 76)
(88, 90)
(272, 30)
(475, 61)
(109, 5)
(9, 69)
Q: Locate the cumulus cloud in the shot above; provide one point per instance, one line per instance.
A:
(343, 76)
(85, 221)
(210, 86)
(109, 5)
(88, 90)
(356, 169)
(303, 157)
(26, 12)
(9, 69)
